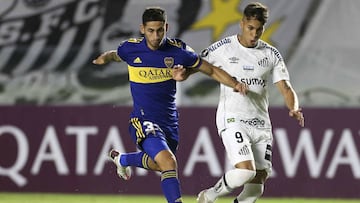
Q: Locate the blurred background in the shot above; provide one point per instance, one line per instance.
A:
(60, 114)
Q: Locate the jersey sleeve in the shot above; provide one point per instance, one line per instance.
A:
(121, 50)
(280, 71)
(213, 55)
(193, 60)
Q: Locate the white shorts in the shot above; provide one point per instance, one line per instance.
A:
(243, 143)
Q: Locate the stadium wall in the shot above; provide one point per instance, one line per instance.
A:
(64, 149)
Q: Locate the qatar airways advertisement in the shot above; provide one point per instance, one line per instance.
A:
(64, 149)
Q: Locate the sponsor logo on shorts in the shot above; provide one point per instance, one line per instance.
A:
(230, 120)
(254, 122)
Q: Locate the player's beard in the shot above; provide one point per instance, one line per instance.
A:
(253, 42)
(155, 44)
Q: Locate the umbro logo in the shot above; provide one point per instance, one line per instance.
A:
(137, 60)
(234, 59)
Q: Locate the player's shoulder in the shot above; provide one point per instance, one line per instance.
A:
(131, 41)
(269, 48)
(266, 46)
(178, 45)
(218, 45)
(175, 42)
(222, 43)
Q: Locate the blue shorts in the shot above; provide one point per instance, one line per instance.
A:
(151, 138)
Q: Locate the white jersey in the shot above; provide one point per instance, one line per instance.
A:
(253, 66)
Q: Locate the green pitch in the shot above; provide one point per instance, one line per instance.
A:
(82, 198)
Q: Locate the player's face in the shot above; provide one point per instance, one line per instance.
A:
(252, 30)
(154, 32)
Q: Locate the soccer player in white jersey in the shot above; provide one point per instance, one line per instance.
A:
(243, 120)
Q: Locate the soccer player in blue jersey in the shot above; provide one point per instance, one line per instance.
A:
(154, 118)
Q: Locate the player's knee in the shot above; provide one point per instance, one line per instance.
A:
(261, 176)
(168, 165)
(153, 166)
(239, 177)
(166, 161)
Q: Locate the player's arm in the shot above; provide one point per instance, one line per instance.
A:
(291, 100)
(223, 77)
(180, 73)
(107, 57)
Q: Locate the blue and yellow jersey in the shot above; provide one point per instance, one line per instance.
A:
(151, 84)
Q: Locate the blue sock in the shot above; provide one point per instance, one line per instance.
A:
(137, 159)
(171, 186)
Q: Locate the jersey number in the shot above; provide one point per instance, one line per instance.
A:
(239, 137)
(150, 127)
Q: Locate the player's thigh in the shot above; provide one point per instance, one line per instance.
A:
(262, 151)
(148, 136)
(153, 145)
(237, 144)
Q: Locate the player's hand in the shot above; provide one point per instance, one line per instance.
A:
(298, 115)
(107, 57)
(242, 88)
(179, 73)
(100, 60)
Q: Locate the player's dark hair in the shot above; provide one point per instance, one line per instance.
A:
(153, 14)
(258, 11)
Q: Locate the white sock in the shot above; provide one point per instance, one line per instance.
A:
(250, 193)
(229, 181)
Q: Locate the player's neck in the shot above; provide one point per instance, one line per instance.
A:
(243, 42)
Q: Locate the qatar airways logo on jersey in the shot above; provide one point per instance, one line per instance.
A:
(254, 81)
(155, 74)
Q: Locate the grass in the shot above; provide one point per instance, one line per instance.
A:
(85, 198)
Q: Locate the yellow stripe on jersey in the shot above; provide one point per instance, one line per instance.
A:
(196, 63)
(149, 74)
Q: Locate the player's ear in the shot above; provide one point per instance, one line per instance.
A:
(142, 29)
(241, 24)
(166, 27)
